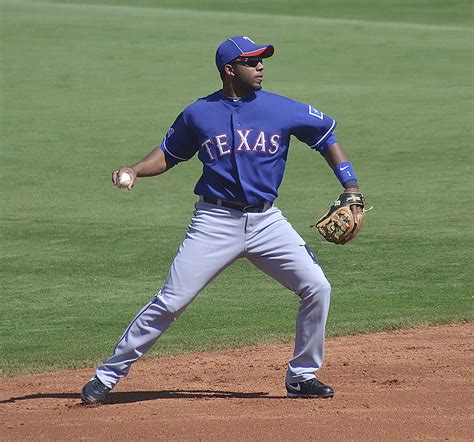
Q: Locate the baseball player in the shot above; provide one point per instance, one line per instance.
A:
(241, 134)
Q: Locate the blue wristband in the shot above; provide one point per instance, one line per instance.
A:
(344, 172)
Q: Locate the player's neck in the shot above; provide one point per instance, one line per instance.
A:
(231, 91)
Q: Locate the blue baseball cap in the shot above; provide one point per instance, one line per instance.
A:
(240, 46)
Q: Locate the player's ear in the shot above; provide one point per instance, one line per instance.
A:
(229, 70)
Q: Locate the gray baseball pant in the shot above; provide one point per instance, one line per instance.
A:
(216, 237)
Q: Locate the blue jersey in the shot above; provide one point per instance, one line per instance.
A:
(243, 144)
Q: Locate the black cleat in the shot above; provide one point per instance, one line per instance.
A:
(94, 392)
(310, 388)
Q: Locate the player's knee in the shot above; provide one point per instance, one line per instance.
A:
(325, 288)
(319, 289)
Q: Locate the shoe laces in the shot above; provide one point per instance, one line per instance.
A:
(315, 382)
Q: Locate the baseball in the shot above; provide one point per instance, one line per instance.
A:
(125, 179)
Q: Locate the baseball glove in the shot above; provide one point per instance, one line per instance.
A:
(340, 225)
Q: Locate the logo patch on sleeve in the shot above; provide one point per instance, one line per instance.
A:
(315, 112)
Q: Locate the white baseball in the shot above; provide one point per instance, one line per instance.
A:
(125, 179)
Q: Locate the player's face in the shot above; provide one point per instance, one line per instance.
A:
(248, 72)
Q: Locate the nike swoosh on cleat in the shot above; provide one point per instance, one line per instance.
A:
(297, 388)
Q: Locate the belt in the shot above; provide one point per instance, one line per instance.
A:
(243, 207)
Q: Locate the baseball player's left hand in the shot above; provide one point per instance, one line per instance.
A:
(343, 220)
(357, 213)
(355, 209)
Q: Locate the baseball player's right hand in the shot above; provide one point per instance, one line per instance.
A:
(117, 174)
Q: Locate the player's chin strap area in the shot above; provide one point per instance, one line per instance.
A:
(242, 207)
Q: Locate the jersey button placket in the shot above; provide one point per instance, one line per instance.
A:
(235, 119)
(235, 124)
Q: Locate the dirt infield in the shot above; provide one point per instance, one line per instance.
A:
(409, 384)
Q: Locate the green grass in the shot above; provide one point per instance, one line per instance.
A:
(86, 88)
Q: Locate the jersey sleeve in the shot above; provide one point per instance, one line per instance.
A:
(313, 127)
(179, 143)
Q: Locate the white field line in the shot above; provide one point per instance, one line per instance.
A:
(204, 15)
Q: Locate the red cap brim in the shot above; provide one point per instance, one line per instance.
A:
(264, 52)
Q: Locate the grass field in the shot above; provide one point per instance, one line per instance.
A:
(90, 86)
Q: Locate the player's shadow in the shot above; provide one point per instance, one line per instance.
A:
(128, 397)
